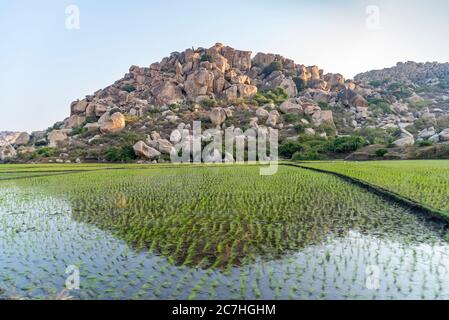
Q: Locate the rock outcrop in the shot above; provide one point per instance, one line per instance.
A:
(408, 72)
(56, 137)
(144, 151)
(7, 152)
(112, 123)
(233, 89)
(406, 139)
(217, 116)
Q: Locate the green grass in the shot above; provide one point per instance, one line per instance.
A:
(425, 182)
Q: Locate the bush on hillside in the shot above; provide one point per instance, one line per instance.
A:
(208, 58)
(120, 154)
(381, 152)
(128, 88)
(347, 144)
(275, 96)
(274, 66)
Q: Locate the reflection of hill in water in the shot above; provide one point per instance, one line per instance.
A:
(231, 228)
(214, 217)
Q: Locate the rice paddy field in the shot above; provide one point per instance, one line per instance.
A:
(425, 182)
(213, 232)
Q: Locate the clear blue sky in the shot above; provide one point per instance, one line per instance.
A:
(44, 66)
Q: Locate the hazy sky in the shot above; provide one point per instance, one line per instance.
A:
(44, 66)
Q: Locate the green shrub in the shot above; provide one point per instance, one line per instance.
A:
(300, 83)
(291, 118)
(324, 106)
(329, 129)
(443, 84)
(379, 83)
(120, 154)
(418, 105)
(208, 58)
(130, 120)
(299, 127)
(208, 103)
(128, 88)
(276, 96)
(379, 107)
(400, 91)
(375, 136)
(78, 131)
(274, 66)
(289, 148)
(381, 152)
(45, 152)
(311, 155)
(425, 143)
(347, 144)
(375, 83)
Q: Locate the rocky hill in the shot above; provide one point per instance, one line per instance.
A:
(409, 73)
(318, 115)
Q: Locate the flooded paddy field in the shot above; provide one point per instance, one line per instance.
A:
(213, 233)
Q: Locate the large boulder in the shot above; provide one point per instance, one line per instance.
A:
(273, 118)
(79, 106)
(310, 108)
(290, 106)
(289, 86)
(165, 147)
(168, 93)
(74, 121)
(323, 117)
(361, 113)
(231, 93)
(399, 108)
(92, 127)
(7, 152)
(97, 108)
(237, 59)
(23, 139)
(444, 135)
(144, 151)
(334, 81)
(39, 137)
(427, 133)
(55, 137)
(262, 113)
(246, 90)
(352, 99)
(435, 138)
(309, 131)
(217, 116)
(25, 150)
(114, 123)
(199, 83)
(264, 59)
(406, 139)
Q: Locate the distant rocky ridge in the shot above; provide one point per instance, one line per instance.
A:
(147, 110)
(409, 73)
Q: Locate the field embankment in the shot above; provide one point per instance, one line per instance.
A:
(422, 184)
